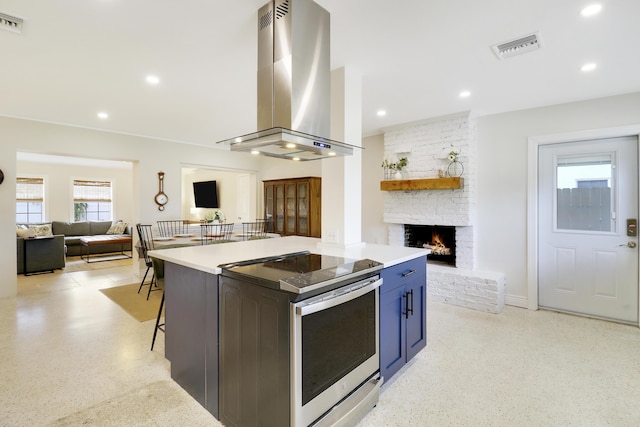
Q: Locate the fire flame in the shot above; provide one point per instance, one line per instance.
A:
(437, 245)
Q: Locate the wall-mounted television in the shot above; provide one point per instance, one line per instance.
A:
(205, 194)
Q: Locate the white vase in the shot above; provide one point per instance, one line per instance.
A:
(398, 175)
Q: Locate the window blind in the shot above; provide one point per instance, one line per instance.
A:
(91, 191)
(30, 189)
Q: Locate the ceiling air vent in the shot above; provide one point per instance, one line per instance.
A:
(518, 46)
(11, 23)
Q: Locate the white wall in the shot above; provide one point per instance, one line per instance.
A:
(59, 187)
(373, 228)
(148, 155)
(502, 176)
(277, 168)
(227, 186)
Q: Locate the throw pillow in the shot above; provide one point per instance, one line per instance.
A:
(19, 232)
(117, 227)
(41, 230)
(23, 232)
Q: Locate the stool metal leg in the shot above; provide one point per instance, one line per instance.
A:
(143, 279)
(152, 284)
(158, 324)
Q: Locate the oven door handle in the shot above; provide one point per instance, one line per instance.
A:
(303, 308)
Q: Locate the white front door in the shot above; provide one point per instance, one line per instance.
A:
(587, 201)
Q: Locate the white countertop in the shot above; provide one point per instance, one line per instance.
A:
(207, 258)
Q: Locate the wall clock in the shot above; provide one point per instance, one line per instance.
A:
(1, 176)
(161, 199)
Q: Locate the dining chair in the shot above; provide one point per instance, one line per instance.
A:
(254, 230)
(170, 228)
(146, 244)
(216, 233)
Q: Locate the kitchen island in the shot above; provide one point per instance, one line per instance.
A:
(192, 317)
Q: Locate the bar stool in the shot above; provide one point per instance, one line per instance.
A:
(158, 268)
(146, 244)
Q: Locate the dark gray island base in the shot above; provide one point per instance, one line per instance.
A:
(229, 376)
(191, 332)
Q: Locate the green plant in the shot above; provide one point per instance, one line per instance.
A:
(80, 211)
(402, 163)
(399, 165)
(215, 215)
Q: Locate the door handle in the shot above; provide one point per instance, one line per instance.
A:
(630, 244)
(411, 296)
(409, 306)
(406, 305)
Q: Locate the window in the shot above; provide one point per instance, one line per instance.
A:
(29, 200)
(91, 200)
(584, 192)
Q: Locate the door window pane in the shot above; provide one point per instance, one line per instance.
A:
(584, 192)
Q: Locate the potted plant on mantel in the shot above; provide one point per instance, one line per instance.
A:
(390, 167)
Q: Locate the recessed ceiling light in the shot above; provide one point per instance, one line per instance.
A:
(255, 152)
(153, 80)
(381, 113)
(465, 94)
(332, 153)
(290, 145)
(102, 115)
(591, 10)
(588, 67)
(238, 139)
(296, 158)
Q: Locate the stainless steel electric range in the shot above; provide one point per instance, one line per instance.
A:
(332, 308)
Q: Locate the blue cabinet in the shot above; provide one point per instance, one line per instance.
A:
(403, 314)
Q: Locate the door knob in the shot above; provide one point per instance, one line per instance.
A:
(630, 244)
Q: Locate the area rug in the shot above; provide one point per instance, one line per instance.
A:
(134, 303)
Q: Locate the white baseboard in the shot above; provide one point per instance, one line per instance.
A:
(516, 301)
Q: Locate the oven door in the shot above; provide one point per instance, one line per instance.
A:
(334, 347)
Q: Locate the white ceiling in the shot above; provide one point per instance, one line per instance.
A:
(77, 57)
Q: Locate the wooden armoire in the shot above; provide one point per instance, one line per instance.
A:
(293, 206)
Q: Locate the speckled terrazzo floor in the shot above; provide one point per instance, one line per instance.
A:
(69, 356)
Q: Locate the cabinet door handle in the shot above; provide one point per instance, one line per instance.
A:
(408, 273)
(410, 310)
(406, 305)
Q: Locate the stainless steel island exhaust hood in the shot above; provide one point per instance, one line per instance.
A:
(294, 84)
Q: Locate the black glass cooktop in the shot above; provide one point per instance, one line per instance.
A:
(302, 271)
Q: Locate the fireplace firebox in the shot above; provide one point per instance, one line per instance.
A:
(440, 239)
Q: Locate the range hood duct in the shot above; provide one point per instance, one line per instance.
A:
(294, 84)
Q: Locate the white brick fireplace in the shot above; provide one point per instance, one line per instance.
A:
(427, 144)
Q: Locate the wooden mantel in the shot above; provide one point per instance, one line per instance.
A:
(422, 184)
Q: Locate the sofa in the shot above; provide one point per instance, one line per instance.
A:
(74, 231)
(49, 254)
